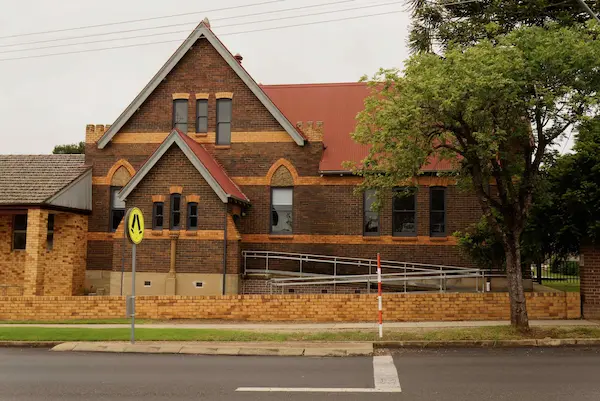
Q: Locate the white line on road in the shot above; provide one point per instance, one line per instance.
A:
(384, 373)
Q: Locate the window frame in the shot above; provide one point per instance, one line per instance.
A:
(50, 232)
(113, 209)
(174, 123)
(200, 102)
(19, 231)
(218, 140)
(189, 216)
(365, 211)
(172, 212)
(445, 211)
(271, 212)
(414, 211)
(155, 215)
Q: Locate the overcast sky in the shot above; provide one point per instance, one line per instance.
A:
(48, 101)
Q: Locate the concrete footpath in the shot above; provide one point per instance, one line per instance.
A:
(293, 327)
(320, 349)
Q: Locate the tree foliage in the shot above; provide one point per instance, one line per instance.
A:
(439, 23)
(74, 148)
(492, 110)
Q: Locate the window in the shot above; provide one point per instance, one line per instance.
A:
(20, 231)
(158, 211)
(404, 212)
(50, 233)
(147, 283)
(117, 208)
(371, 217)
(198, 284)
(192, 216)
(281, 210)
(223, 121)
(180, 114)
(437, 213)
(201, 115)
(175, 211)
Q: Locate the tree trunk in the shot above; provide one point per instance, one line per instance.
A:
(514, 274)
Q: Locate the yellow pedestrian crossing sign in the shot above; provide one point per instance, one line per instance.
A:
(135, 225)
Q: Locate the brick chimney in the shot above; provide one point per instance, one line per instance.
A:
(238, 57)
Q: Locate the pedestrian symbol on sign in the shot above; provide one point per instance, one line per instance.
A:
(135, 225)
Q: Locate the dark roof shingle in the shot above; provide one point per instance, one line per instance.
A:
(32, 179)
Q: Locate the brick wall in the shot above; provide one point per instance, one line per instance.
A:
(12, 263)
(590, 281)
(298, 308)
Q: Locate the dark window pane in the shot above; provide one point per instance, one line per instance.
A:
(371, 222)
(437, 200)
(223, 121)
(19, 240)
(50, 222)
(194, 210)
(370, 196)
(159, 221)
(404, 222)
(437, 222)
(20, 222)
(403, 201)
(50, 241)
(193, 222)
(223, 133)
(117, 216)
(159, 209)
(201, 115)
(180, 114)
(224, 110)
(177, 203)
(176, 220)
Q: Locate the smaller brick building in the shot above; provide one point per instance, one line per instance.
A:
(44, 203)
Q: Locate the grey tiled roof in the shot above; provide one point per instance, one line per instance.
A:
(32, 179)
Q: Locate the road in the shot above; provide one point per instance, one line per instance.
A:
(463, 375)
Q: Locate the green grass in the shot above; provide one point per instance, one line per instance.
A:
(144, 334)
(77, 321)
(563, 286)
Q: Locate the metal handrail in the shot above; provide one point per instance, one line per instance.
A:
(410, 271)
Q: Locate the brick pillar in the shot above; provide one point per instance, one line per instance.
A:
(35, 252)
(590, 281)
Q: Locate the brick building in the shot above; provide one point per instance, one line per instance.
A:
(219, 164)
(44, 203)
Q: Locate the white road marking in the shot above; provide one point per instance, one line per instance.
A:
(384, 373)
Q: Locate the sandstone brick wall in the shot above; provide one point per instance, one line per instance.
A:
(299, 308)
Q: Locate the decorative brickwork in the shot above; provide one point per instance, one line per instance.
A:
(297, 308)
(282, 178)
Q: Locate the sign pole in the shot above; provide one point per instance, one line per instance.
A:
(134, 229)
(133, 293)
(379, 300)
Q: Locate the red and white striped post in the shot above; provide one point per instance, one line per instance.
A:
(379, 300)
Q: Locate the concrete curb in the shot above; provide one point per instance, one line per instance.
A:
(217, 349)
(546, 342)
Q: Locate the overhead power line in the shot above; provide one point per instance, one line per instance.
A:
(172, 25)
(222, 26)
(225, 34)
(141, 19)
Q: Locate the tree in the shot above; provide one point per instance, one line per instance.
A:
(74, 148)
(493, 110)
(438, 23)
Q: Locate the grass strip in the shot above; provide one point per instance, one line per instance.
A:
(145, 334)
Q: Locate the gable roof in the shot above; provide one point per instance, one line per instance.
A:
(39, 179)
(336, 104)
(206, 165)
(201, 31)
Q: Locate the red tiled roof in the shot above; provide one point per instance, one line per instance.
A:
(214, 168)
(337, 105)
